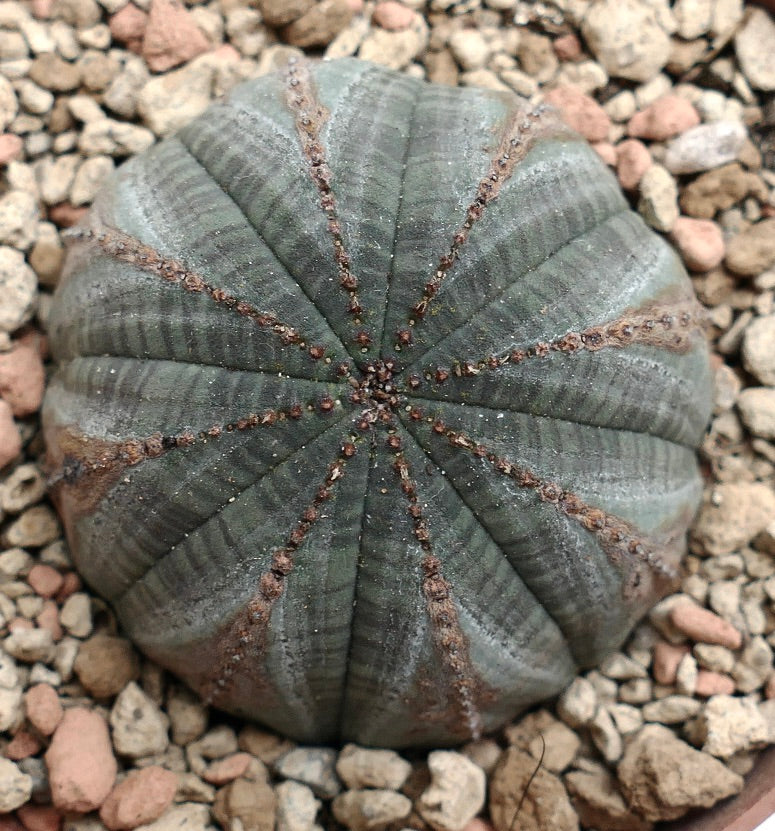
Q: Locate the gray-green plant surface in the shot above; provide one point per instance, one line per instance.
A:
(376, 409)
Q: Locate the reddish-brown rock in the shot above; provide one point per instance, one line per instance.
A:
(580, 111)
(171, 36)
(81, 765)
(139, 799)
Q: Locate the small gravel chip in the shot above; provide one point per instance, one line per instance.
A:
(673, 709)
(15, 786)
(17, 288)
(368, 810)
(75, 615)
(578, 702)
(730, 724)
(313, 766)
(296, 807)
(658, 203)
(705, 147)
(139, 726)
(30, 645)
(361, 767)
(456, 793)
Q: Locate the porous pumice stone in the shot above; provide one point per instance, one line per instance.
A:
(376, 409)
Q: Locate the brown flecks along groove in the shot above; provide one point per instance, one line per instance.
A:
(374, 429)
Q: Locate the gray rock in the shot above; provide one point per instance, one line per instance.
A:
(296, 807)
(313, 766)
(456, 793)
(15, 786)
(18, 288)
(360, 767)
(626, 38)
(755, 46)
(729, 724)
(705, 146)
(139, 726)
(364, 810)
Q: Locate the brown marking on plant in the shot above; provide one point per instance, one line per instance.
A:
(671, 327)
(625, 545)
(309, 117)
(522, 131)
(249, 629)
(85, 468)
(129, 249)
(448, 638)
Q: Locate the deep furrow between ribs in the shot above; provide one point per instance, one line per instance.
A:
(625, 546)
(129, 249)
(249, 630)
(448, 637)
(309, 116)
(521, 133)
(668, 327)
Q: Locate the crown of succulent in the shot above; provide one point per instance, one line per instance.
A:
(376, 409)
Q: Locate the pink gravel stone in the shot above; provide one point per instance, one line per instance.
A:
(392, 15)
(567, 47)
(704, 626)
(65, 215)
(668, 116)
(127, 26)
(46, 580)
(606, 151)
(81, 765)
(70, 584)
(10, 438)
(226, 52)
(171, 36)
(667, 656)
(632, 161)
(580, 111)
(44, 709)
(226, 769)
(700, 242)
(39, 817)
(22, 378)
(17, 623)
(22, 745)
(48, 618)
(713, 683)
(11, 147)
(478, 824)
(42, 9)
(139, 799)
(8, 822)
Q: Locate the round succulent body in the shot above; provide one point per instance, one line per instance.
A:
(376, 409)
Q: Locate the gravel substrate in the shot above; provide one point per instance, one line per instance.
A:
(680, 101)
